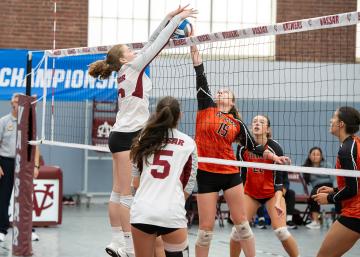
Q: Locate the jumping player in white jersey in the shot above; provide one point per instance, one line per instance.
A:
(133, 99)
(167, 161)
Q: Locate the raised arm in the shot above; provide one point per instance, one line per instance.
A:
(161, 26)
(203, 93)
(160, 40)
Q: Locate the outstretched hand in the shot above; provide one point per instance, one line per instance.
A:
(186, 13)
(177, 11)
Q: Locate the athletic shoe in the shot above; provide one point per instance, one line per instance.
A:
(313, 225)
(112, 249)
(291, 225)
(2, 237)
(122, 253)
(261, 224)
(34, 237)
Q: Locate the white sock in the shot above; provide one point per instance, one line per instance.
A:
(129, 247)
(288, 217)
(117, 236)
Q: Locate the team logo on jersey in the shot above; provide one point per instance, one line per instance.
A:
(104, 130)
(46, 193)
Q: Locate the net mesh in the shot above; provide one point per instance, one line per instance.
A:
(296, 79)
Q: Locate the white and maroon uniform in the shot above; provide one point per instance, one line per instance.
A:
(160, 199)
(134, 86)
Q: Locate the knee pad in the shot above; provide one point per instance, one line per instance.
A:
(282, 233)
(126, 200)
(115, 197)
(241, 232)
(177, 250)
(204, 238)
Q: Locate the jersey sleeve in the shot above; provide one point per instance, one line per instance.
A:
(188, 176)
(278, 175)
(153, 49)
(347, 157)
(248, 141)
(240, 157)
(155, 34)
(2, 129)
(203, 93)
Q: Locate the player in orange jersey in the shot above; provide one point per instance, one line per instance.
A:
(265, 187)
(344, 232)
(218, 125)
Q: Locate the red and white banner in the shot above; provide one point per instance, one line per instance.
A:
(45, 202)
(324, 22)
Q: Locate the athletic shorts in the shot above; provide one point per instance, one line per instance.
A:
(153, 229)
(121, 141)
(209, 182)
(262, 200)
(350, 223)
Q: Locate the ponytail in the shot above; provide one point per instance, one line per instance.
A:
(156, 132)
(100, 69)
(103, 68)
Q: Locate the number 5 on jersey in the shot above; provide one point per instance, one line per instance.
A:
(159, 162)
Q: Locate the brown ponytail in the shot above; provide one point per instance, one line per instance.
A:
(103, 69)
(155, 134)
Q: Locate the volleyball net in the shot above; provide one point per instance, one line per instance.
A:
(297, 73)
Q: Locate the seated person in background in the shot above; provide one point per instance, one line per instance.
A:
(316, 159)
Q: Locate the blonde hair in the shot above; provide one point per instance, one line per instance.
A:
(103, 68)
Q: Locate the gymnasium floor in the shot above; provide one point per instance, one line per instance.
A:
(85, 232)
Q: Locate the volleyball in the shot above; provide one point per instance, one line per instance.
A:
(183, 30)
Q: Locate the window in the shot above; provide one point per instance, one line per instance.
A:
(115, 21)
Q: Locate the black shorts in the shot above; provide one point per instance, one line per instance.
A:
(262, 201)
(153, 229)
(121, 141)
(209, 182)
(350, 223)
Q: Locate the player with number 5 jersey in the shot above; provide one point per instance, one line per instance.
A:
(167, 161)
(133, 100)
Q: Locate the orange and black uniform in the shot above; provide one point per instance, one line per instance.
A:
(215, 133)
(348, 191)
(261, 184)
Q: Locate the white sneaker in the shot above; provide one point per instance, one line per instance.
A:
(122, 253)
(34, 237)
(112, 249)
(313, 225)
(2, 237)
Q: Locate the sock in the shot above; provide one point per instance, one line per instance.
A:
(117, 236)
(129, 247)
(288, 217)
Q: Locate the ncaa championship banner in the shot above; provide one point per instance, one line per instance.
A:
(68, 81)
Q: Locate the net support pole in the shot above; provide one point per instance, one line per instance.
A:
(23, 178)
(28, 73)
